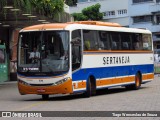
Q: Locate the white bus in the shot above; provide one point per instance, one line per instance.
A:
(81, 57)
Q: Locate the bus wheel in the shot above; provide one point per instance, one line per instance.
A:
(45, 96)
(137, 84)
(91, 88)
(137, 81)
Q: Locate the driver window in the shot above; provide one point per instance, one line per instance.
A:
(76, 49)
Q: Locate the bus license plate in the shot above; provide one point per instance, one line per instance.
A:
(41, 90)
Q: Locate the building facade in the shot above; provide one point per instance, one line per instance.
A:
(146, 14)
(113, 10)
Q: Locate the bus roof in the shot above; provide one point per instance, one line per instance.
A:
(90, 25)
(45, 26)
(63, 25)
(98, 23)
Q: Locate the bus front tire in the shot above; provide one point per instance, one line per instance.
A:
(45, 96)
(91, 88)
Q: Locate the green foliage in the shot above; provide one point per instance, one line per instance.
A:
(89, 13)
(45, 7)
(79, 17)
(26, 5)
(71, 2)
(48, 7)
(92, 12)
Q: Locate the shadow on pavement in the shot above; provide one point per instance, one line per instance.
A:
(81, 96)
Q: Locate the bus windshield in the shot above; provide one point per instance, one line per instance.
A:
(43, 51)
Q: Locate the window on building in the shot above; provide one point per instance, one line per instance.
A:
(82, 1)
(147, 18)
(140, 1)
(122, 12)
(158, 46)
(157, 1)
(110, 13)
(158, 19)
(94, 0)
(104, 14)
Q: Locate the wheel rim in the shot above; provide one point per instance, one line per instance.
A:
(137, 81)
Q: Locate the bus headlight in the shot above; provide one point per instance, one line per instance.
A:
(24, 83)
(61, 81)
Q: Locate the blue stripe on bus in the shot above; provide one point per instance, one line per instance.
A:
(106, 72)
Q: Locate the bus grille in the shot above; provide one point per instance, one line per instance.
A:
(41, 84)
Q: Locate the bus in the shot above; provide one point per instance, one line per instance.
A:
(82, 57)
(3, 64)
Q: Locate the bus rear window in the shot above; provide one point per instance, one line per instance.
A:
(2, 56)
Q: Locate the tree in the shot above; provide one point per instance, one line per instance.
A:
(71, 2)
(79, 17)
(89, 13)
(49, 8)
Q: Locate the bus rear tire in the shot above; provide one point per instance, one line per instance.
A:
(45, 96)
(137, 84)
(91, 88)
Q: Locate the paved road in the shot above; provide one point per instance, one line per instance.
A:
(117, 99)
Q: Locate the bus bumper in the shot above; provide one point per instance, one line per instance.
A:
(64, 88)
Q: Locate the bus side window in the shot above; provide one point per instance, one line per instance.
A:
(90, 40)
(126, 41)
(147, 45)
(114, 45)
(125, 46)
(137, 42)
(115, 41)
(103, 40)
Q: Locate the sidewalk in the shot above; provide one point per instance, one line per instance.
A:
(157, 75)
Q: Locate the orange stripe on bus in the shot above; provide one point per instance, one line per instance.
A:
(79, 85)
(114, 81)
(147, 76)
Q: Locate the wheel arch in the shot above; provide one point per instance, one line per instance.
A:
(92, 79)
